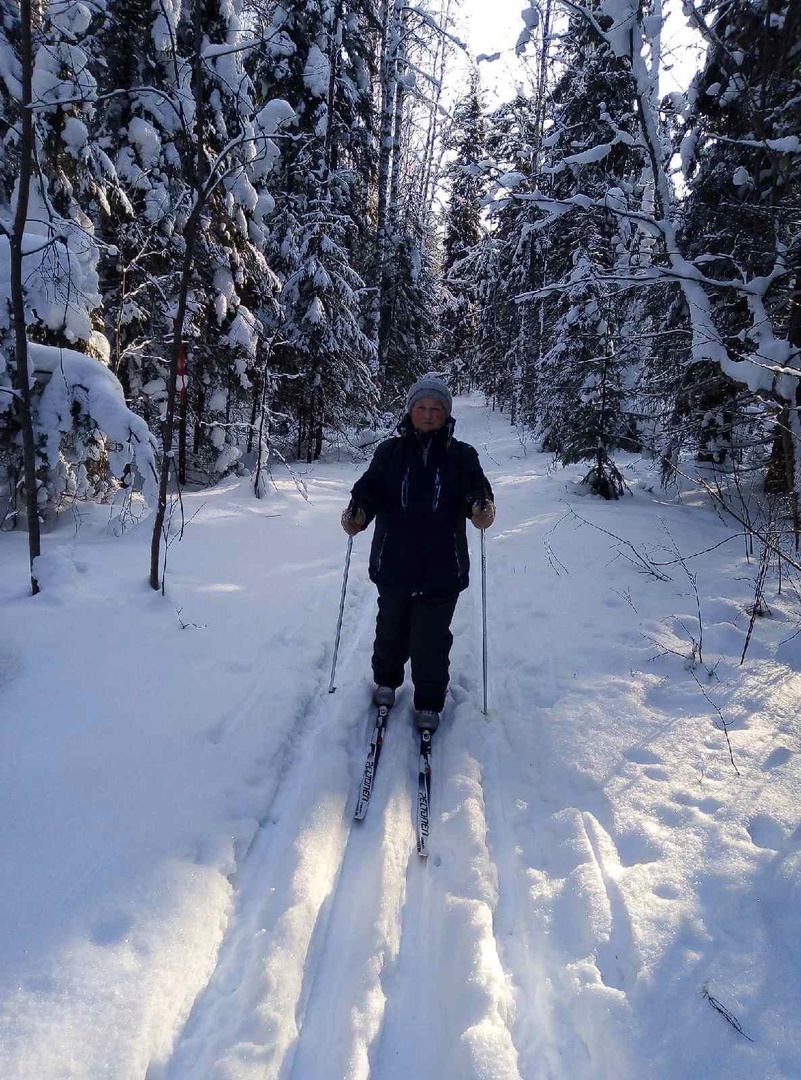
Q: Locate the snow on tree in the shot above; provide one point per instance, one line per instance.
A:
(591, 156)
(582, 387)
(417, 42)
(140, 125)
(54, 303)
(416, 311)
(511, 262)
(319, 58)
(322, 328)
(466, 184)
(743, 161)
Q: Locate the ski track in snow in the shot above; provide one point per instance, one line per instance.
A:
(560, 921)
(510, 953)
(343, 947)
(245, 1021)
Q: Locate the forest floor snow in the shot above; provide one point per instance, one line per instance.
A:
(185, 894)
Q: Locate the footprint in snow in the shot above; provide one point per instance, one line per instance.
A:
(766, 832)
(459, 693)
(670, 815)
(705, 805)
(634, 849)
(666, 891)
(640, 755)
(780, 756)
(112, 930)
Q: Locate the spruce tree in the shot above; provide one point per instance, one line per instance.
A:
(467, 185)
(319, 59)
(595, 171)
(744, 186)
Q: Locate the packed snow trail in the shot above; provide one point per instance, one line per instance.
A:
(188, 896)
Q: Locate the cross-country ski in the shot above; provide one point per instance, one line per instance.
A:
(371, 764)
(424, 794)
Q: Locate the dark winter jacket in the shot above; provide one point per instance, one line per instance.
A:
(420, 489)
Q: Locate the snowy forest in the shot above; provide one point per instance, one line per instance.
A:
(233, 232)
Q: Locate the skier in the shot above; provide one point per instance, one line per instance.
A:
(421, 487)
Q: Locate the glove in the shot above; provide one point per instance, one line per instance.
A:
(353, 521)
(483, 513)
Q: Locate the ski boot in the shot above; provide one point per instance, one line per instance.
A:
(384, 695)
(426, 720)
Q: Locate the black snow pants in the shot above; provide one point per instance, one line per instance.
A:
(418, 627)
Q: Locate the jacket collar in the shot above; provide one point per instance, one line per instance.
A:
(443, 436)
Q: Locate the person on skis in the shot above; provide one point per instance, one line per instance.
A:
(421, 487)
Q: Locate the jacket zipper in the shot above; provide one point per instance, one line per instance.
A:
(456, 553)
(381, 553)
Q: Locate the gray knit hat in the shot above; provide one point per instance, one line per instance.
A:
(429, 387)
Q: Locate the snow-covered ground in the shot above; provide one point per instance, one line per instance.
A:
(185, 895)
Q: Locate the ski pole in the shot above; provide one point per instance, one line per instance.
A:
(484, 609)
(331, 687)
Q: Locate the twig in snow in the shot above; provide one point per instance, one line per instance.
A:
(189, 625)
(759, 608)
(489, 455)
(642, 562)
(690, 665)
(724, 724)
(626, 595)
(719, 1007)
(698, 646)
(557, 565)
(169, 536)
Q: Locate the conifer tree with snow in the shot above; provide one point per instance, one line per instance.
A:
(417, 42)
(321, 331)
(139, 125)
(319, 58)
(743, 160)
(508, 260)
(467, 185)
(178, 119)
(85, 435)
(416, 306)
(582, 380)
(595, 172)
(232, 283)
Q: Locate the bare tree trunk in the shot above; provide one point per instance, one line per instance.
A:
(191, 231)
(23, 386)
(397, 144)
(388, 271)
(389, 79)
(182, 396)
(330, 149)
(190, 236)
(260, 400)
(429, 177)
(258, 394)
(781, 473)
(301, 429)
(200, 412)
